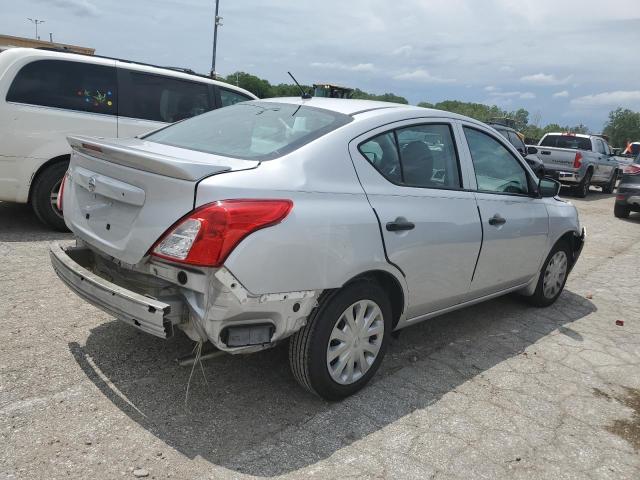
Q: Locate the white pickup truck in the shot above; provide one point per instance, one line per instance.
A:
(579, 161)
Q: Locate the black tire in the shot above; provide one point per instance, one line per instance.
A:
(611, 186)
(539, 299)
(621, 211)
(583, 186)
(47, 181)
(308, 347)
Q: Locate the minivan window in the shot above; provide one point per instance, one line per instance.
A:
(64, 84)
(228, 97)
(163, 99)
(252, 130)
(566, 141)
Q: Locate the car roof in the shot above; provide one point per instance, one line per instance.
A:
(16, 53)
(354, 107)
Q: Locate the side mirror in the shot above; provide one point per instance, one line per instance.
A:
(531, 150)
(547, 187)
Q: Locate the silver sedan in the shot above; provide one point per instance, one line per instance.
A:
(327, 222)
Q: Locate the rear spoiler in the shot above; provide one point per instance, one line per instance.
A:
(115, 151)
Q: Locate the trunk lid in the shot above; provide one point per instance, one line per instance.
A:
(120, 196)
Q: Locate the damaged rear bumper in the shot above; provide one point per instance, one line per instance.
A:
(150, 315)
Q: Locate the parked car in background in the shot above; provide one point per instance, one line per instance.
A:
(46, 95)
(331, 222)
(579, 161)
(633, 149)
(628, 193)
(516, 140)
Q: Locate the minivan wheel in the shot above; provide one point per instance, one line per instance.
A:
(340, 348)
(45, 194)
(553, 276)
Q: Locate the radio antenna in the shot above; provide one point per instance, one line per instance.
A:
(304, 95)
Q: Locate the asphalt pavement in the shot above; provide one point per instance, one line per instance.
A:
(498, 390)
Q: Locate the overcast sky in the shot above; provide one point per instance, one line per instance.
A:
(565, 61)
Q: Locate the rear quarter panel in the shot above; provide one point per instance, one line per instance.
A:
(330, 236)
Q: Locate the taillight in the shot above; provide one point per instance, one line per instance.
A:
(577, 162)
(207, 235)
(61, 192)
(633, 169)
(621, 197)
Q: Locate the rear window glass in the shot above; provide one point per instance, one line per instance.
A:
(252, 130)
(70, 85)
(566, 141)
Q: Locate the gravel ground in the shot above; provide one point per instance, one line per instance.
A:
(499, 390)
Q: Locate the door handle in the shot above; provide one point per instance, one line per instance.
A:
(497, 220)
(399, 225)
(545, 153)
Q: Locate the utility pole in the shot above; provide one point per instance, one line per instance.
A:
(36, 21)
(51, 37)
(217, 22)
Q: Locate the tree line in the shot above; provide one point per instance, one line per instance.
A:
(622, 126)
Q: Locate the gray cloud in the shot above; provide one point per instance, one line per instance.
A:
(412, 48)
(81, 8)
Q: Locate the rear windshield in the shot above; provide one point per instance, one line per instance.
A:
(566, 141)
(251, 130)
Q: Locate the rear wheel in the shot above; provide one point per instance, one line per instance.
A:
(45, 195)
(611, 186)
(621, 211)
(583, 187)
(553, 276)
(344, 341)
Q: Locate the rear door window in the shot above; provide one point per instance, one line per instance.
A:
(417, 156)
(64, 84)
(163, 99)
(229, 97)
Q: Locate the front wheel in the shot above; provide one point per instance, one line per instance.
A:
(340, 348)
(553, 276)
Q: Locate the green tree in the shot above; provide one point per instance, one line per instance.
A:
(425, 105)
(385, 97)
(623, 126)
(256, 85)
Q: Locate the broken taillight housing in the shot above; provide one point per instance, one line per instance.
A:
(577, 161)
(208, 235)
(61, 192)
(632, 169)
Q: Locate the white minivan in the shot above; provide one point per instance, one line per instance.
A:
(46, 95)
